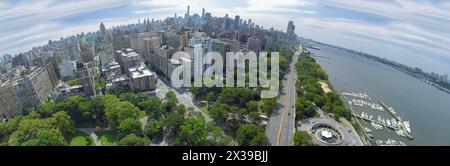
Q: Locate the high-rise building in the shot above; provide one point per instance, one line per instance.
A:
(67, 69)
(29, 90)
(121, 40)
(151, 46)
(198, 46)
(203, 13)
(237, 18)
(138, 77)
(87, 78)
(290, 32)
(9, 103)
(102, 29)
(141, 79)
(164, 55)
(186, 16)
(253, 44)
(127, 58)
(87, 51)
(220, 46)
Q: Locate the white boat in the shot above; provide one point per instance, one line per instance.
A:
(367, 130)
(400, 133)
(379, 118)
(402, 143)
(407, 126)
(376, 126)
(383, 121)
(394, 122)
(388, 122)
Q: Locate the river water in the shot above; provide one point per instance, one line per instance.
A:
(427, 108)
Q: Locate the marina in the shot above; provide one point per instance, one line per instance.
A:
(415, 102)
(393, 123)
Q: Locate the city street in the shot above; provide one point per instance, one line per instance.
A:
(281, 126)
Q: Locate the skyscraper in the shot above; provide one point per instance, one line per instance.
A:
(102, 29)
(186, 16)
(237, 18)
(290, 32)
(203, 13)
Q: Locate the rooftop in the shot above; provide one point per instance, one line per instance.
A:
(137, 72)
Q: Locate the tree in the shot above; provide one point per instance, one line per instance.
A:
(171, 101)
(153, 128)
(117, 112)
(171, 96)
(251, 135)
(253, 106)
(304, 108)
(173, 122)
(46, 109)
(133, 98)
(46, 138)
(268, 106)
(254, 117)
(152, 106)
(302, 138)
(219, 112)
(237, 96)
(193, 132)
(133, 140)
(130, 126)
(62, 122)
(181, 109)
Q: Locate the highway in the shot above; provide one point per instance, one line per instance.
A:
(281, 127)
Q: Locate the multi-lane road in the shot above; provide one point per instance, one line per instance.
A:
(281, 125)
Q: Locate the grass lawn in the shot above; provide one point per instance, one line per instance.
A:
(81, 139)
(107, 138)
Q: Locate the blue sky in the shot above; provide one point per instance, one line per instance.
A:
(414, 32)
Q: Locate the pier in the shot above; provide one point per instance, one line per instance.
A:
(390, 111)
(374, 121)
(400, 125)
(319, 56)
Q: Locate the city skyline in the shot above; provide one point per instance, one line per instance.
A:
(405, 28)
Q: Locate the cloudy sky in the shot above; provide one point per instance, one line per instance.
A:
(413, 32)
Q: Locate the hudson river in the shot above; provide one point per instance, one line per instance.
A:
(427, 108)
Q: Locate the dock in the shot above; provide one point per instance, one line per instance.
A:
(374, 121)
(390, 111)
(401, 126)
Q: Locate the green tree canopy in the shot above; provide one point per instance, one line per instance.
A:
(302, 138)
(133, 140)
(130, 126)
(251, 135)
(193, 132)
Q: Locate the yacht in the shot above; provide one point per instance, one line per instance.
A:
(400, 132)
(388, 122)
(376, 126)
(394, 122)
(407, 126)
(402, 143)
(367, 130)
